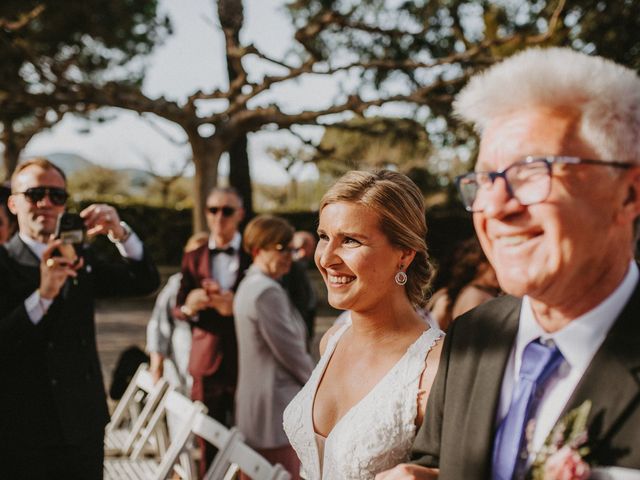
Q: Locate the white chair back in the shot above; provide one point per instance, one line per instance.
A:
(233, 454)
(136, 406)
(184, 412)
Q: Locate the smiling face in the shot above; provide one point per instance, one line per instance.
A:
(38, 219)
(557, 250)
(355, 258)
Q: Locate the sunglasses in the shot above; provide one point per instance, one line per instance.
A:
(226, 211)
(57, 195)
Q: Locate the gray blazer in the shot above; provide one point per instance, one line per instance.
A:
(273, 361)
(458, 430)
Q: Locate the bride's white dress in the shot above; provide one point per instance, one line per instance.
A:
(376, 433)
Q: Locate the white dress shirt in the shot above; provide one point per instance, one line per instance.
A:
(224, 267)
(35, 305)
(578, 342)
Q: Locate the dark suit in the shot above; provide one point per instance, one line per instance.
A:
(298, 285)
(51, 387)
(213, 361)
(458, 431)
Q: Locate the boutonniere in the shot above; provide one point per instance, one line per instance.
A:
(562, 457)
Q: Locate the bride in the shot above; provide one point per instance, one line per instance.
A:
(359, 412)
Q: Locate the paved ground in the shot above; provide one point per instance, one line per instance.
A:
(122, 323)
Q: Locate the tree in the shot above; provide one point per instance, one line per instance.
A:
(47, 46)
(418, 55)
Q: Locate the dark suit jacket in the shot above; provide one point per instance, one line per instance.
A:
(213, 343)
(51, 388)
(457, 434)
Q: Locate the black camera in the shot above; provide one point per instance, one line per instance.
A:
(70, 228)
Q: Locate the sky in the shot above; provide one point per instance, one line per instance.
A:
(190, 59)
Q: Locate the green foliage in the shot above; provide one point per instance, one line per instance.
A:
(377, 142)
(97, 183)
(48, 45)
(76, 38)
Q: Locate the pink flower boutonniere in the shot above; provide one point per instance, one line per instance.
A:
(562, 457)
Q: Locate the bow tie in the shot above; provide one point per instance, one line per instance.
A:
(228, 251)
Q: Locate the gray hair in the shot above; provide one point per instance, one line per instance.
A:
(227, 191)
(606, 94)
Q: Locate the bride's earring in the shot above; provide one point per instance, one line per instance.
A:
(401, 277)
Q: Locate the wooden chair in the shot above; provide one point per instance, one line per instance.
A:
(133, 411)
(137, 466)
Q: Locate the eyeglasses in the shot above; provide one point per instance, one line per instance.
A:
(57, 195)
(226, 211)
(285, 249)
(528, 180)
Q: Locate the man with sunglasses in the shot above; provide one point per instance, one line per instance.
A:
(545, 382)
(52, 395)
(210, 276)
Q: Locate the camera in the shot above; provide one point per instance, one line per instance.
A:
(70, 228)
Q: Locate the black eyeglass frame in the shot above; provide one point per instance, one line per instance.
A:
(548, 161)
(226, 210)
(57, 195)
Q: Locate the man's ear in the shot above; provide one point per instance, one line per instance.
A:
(12, 204)
(630, 208)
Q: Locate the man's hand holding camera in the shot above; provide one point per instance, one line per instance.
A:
(55, 269)
(101, 219)
(60, 260)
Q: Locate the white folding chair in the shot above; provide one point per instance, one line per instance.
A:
(220, 437)
(133, 411)
(246, 460)
(184, 413)
(233, 454)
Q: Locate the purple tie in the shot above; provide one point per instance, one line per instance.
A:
(539, 362)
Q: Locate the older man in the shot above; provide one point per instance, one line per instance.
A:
(210, 276)
(555, 198)
(52, 400)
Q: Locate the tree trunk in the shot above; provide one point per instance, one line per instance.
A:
(239, 175)
(231, 15)
(206, 156)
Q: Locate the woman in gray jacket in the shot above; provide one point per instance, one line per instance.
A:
(273, 361)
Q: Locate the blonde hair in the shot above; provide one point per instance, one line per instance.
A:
(400, 206)
(41, 162)
(606, 95)
(266, 231)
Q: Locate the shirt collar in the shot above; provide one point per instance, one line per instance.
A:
(580, 339)
(235, 242)
(35, 246)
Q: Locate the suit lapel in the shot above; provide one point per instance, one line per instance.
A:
(22, 254)
(498, 333)
(25, 258)
(204, 263)
(612, 380)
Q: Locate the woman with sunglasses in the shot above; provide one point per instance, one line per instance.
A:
(273, 361)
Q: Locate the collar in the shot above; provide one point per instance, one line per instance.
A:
(236, 242)
(580, 339)
(35, 246)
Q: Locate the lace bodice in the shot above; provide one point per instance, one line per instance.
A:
(376, 433)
